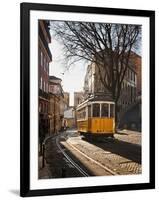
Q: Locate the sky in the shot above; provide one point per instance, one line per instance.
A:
(72, 78)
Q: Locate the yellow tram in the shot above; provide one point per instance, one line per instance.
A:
(96, 117)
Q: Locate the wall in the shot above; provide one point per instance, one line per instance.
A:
(69, 113)
(9, 109)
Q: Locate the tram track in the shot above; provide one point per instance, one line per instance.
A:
(94, 161)
(70, 160)
(69, 156)
(105, 155)
(108, 170)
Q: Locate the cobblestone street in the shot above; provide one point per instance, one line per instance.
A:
(119, 156)
(133, 137)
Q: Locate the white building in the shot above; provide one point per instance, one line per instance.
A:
(69, 117)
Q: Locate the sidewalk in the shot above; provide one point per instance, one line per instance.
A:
(129, 136)
(127, 132)
(44, 173)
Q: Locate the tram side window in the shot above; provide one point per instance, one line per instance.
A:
(89, 111)
(84, 114)
(112, 110)
(81, 114)
(96, 110)
(105, 110)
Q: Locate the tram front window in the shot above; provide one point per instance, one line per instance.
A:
(112, 110)
(96, 110)
(104, 110)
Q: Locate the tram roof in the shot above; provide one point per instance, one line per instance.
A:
(98, 98)
(101, 98)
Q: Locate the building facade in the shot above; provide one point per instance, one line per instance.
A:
(78, 98)
(69, 117)
(92, 83)
(131, 86)
(130, 99)
(136, 60)
(67, 98)
(56, 110)
(44, 58)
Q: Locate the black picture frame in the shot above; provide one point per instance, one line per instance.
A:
(25, 9)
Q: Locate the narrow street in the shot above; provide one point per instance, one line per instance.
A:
(96, 89)
(58, 163)
(70, 155)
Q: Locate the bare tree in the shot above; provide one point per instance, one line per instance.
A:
(109, 46)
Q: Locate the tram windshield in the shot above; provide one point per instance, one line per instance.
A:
(96, 110)
(105, 110)
(112, 110)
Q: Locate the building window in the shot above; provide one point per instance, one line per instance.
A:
(47, 66)
(44, 64)
(41, 83)
(133, 75)
(41, 60)
(44, 86)
(47, 87)
(128, 73)
(135, 80)
(41, 107)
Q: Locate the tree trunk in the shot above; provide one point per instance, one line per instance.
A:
(116, 116)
